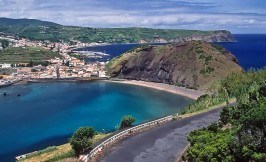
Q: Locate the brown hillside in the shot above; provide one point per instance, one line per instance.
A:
(192, 64)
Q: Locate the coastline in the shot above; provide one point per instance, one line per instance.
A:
(51, 80)
(190, 93)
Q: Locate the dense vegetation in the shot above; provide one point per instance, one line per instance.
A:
(82, 139)
(241, 133)
(26, 55)
(42, 30)
(127, 121)
(4, 43)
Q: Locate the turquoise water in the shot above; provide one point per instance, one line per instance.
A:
(47, 114)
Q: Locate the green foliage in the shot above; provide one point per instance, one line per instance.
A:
(4, 43)
(206, 101)
(127, 121)
(82, 139)
(48, 149)
(62, 156)
(237, 83)
(25, 55)
(245, 138)
(42, 30)
(209, 145)
(218, 47)
(207, 71)
(225, 115)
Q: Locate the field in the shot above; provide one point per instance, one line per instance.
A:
(26, 54)
(56, 153)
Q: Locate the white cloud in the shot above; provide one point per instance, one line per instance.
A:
(192, 14)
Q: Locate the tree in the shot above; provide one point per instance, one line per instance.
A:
(244, 139)
(31, 63)
(225, 115)
(4, 43)
(127, 121)
(82, 139)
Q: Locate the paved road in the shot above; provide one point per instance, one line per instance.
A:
(160, 144)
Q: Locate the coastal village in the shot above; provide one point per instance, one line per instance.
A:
(66, 67)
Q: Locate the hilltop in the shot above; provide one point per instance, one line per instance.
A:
(193, 64)
(42, 30)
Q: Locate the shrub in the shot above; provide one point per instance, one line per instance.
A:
(82, 139)
(127, 121)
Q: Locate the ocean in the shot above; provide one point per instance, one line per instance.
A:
(47, 114)
(250, 50)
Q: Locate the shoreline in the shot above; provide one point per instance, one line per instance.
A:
(190, 93)
(52, 80)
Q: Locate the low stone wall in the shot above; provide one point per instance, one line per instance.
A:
(124, 134)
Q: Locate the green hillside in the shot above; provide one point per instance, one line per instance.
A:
(25, 55)
(240, 133)
(43, 30)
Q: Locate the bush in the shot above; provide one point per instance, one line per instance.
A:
(242, 137)
(82, 139)
(127, 121)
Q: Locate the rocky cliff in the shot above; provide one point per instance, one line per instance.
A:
(193, 64)
(212, 36)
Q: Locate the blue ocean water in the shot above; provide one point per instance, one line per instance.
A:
(46, 114)
(250, 49)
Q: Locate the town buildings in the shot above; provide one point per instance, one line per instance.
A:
(65, 68)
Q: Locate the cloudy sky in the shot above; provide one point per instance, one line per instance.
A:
(238, 16)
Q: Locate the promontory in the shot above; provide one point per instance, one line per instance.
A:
(193, 64)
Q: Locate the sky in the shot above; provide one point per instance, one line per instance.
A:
(237, 16)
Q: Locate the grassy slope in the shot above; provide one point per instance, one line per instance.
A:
(41, 30)
(239, 135)
(57, 152)
(24, 55)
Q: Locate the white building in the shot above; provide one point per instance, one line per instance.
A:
(5, 66)
(102, 74)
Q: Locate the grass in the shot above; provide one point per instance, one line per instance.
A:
(194, 112)
(39, 30)
(207, 71)
(46, 154)
(26, 54)
(55, 153)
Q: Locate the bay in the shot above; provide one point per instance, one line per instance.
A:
(46, 114)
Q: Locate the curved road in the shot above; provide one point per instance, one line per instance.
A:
(159, 144)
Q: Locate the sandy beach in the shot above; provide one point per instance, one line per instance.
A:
(190, 93)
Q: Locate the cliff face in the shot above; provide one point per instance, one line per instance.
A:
(193, 64)
(215, 36)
